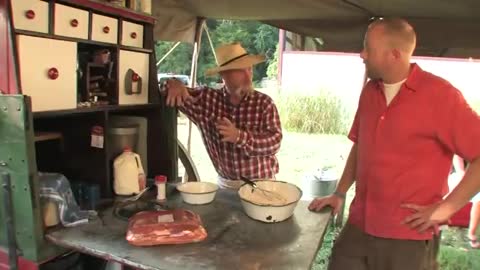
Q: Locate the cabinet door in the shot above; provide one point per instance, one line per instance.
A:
(104, 29)
(71, 22)
(50, 81)
(133, 77)
(30, 15)
(132, 34)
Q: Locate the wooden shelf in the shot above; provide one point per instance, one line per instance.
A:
(108, 9)
(46, 136)
(96, 78)
(92, 64)
(85, 41)
(94, 109)
(135, 49)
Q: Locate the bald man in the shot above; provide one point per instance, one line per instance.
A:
(408, 125)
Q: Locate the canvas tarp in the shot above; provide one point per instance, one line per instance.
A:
(444, 27)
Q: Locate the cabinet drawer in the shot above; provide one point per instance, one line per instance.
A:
(50, 81)
(71, 22)
(30, 15)
(133, 77)
(104, 29)
(132, 34)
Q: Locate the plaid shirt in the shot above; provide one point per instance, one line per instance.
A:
(253, 155)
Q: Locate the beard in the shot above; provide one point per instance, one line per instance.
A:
(372, 72)
(240, 90)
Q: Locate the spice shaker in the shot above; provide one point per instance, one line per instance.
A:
(161, 182)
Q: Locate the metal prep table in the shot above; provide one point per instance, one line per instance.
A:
(234, 240)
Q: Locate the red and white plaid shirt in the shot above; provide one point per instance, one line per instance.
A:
(253, 155)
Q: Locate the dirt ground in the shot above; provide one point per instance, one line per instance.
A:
(300, 154)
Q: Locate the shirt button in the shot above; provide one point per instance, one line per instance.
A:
(382, 117)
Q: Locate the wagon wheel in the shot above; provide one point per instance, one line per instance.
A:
(190, 169)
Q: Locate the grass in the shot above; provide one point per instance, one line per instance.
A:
(455, 252)
(322, 114)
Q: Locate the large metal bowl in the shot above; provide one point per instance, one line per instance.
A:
(265, 207)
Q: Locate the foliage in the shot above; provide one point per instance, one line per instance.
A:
(313, 114)
(272, 69)
(257, 38)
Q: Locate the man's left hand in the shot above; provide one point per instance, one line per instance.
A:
(425, 217)
(228, 130)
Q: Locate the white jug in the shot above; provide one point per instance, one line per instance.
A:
(128, 173)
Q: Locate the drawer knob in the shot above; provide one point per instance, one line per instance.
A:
(106, 29)
(133, 35)
(30, 14)
(53, 73)
(135, 77)
(74, 23)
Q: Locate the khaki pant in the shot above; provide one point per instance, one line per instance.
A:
(355, 250)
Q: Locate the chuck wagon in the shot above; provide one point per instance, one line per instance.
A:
(71, 71)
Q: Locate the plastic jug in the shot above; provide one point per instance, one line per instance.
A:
(129, 177)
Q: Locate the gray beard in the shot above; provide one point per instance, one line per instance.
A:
(240, 91)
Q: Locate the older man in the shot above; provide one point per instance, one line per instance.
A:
(239, 125)
(408, 125)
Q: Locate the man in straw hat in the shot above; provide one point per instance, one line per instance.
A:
(408, 125)
(239, 125)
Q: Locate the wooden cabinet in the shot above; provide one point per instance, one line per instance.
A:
(132, 34)
(48, 72)
(71, 22)
(104, 29)
(133, 78)
(30, 15)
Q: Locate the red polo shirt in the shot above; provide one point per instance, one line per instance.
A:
(405, 150)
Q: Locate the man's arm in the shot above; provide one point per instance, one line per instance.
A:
(188, 101)
(264, 143)
(466, 189)
(348, 175)
(458, 129)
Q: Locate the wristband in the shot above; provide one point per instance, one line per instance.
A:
(340, 194)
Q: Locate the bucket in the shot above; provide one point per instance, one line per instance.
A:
(320, 183)
(121, 137)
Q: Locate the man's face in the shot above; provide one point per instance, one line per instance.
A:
(237, 80)
(375, 53)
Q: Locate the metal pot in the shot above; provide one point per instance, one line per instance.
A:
(321, 183)
(121, 137)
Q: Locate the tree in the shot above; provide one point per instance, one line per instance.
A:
(257, 38)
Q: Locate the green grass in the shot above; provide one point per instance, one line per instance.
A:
(321, 114)
(323, 255)
(455, 252)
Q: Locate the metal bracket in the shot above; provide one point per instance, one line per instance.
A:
(10, 228)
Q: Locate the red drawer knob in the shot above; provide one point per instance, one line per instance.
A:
(30, 14)
(74, 23)
(133, 35)
(53, 73)
(135, 77)
(106, 29)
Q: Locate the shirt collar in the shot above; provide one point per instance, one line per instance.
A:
(226, 95)
(413, 79)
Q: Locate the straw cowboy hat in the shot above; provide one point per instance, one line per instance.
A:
(233, 56)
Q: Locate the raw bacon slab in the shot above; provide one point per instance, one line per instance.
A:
(177, 226)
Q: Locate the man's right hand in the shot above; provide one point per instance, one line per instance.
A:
(177, 93)
(334, 201)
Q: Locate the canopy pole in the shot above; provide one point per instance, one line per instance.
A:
(168, 53)
(205, 27)
(193, 73)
